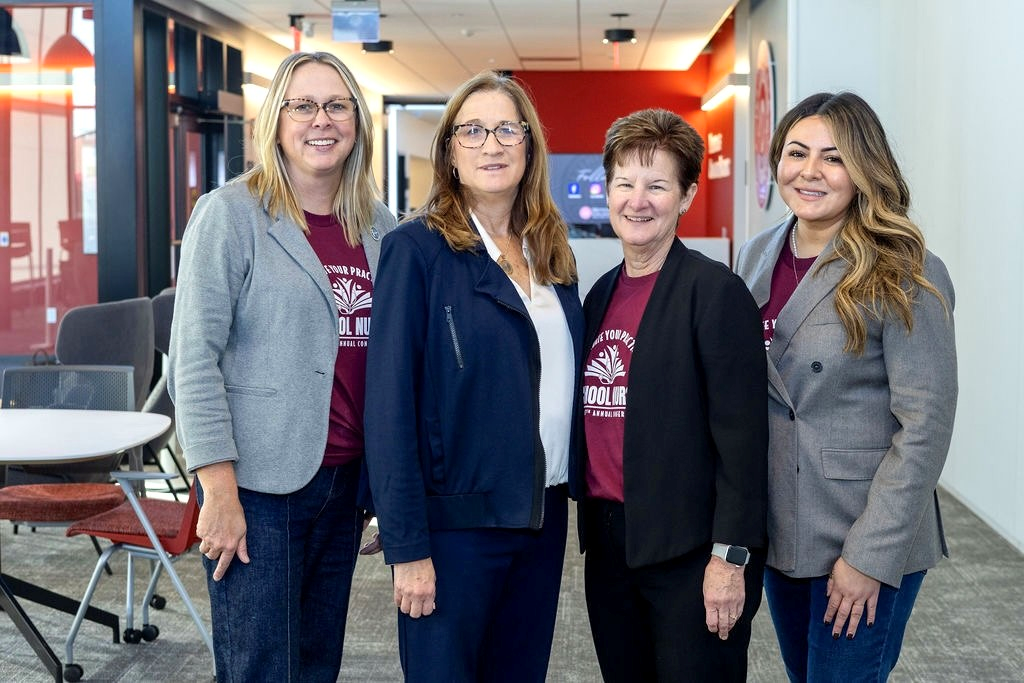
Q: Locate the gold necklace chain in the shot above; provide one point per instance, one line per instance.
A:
(502, 260)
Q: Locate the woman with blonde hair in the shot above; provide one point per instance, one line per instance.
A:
(472, 367)
(268, 370)
(862, 385)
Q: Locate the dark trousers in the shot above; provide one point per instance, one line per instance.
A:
(648, 623)
(282, 616)
(497, 594)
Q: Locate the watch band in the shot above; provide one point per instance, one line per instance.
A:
(736, 555)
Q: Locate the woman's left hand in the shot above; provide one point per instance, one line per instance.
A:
(851, 595)
(723, 596)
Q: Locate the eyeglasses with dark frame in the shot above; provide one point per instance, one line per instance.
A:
(302, 110)
(507, 133)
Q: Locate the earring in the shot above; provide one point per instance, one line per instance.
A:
(682, 211)
(455, 173)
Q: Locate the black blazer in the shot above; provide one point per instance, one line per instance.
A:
(696, 431)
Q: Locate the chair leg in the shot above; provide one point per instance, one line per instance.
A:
(180, 587)
(155, 570)
(177, 465)
(160, 466)
(69, 644)
(131, 634)
(99, 551)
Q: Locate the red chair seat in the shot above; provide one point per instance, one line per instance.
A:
(121, 525)
(57, 502)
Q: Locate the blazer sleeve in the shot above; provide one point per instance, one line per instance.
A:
(215, 260)
(730, 345)
(394, 368)
(922, 371)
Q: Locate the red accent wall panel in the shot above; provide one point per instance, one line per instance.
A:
(576, 108)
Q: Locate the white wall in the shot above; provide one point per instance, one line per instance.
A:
(941, 75)
(954, 112)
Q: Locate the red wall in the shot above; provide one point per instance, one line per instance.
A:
(576, 108)
(720, 121)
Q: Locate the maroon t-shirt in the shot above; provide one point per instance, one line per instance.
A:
(349, 275)
(786, 276)
(605, 383)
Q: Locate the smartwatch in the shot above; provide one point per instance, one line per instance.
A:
(733, 554)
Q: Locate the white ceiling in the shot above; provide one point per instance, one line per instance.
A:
(441, 43)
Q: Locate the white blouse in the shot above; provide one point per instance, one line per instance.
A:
(557, 360)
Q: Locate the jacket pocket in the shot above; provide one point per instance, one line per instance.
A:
(854, 464)
(249, 391)
(455, 337)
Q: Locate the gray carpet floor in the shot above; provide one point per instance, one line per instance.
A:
(967, 625)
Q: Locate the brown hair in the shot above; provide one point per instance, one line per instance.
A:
(268, 179)
(883, 250)
(535, 217)
(645, 132)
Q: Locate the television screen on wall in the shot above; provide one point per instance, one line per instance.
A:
(578, 187)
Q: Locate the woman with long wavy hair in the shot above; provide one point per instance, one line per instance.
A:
(473, 360)
(858, 326)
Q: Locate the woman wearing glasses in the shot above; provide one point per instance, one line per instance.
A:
(472, 363)
(268, 369)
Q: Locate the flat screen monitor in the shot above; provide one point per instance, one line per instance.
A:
(355, 22)
(578, 187)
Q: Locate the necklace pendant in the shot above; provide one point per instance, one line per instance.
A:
(505, 264)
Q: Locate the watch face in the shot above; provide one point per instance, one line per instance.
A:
(737, 555)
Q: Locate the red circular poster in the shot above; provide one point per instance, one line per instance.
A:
(764, 121)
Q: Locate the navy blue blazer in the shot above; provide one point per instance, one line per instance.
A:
(453, 393)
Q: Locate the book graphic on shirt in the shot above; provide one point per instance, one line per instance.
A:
(350, 296)
(607, 366)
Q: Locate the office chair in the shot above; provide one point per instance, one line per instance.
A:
(159, 530)
(63, 502)
(116, 333)
(159, 400)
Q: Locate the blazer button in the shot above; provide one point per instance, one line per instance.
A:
(815, 366)
(792, 415)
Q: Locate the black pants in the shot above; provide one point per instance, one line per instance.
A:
(648, 623)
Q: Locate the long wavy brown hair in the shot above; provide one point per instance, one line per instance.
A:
(535, 217)
(883, 249)
(268, 179)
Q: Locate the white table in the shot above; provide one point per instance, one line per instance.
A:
(47, 437)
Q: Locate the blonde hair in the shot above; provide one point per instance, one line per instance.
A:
(268, 180)
(883, 249)
(535, 217)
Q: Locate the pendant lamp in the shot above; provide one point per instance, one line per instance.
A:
(67, 53)
(13, 48)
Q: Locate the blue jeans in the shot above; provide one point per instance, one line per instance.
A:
(282, 616)
(809, 651)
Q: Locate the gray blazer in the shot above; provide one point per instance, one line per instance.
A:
(857, 442)
(254, 339)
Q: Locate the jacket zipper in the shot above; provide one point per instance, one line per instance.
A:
(455, 338)
(539, 476)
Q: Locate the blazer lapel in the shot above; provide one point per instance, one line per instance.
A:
(813, 288)
(294, 242)
(598, 298)
(761, 282)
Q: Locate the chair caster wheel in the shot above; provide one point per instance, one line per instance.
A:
(158, 602)
(73, 673)
(150, 633)
(132, 636)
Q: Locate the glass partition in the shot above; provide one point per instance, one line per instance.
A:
(48, 236)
